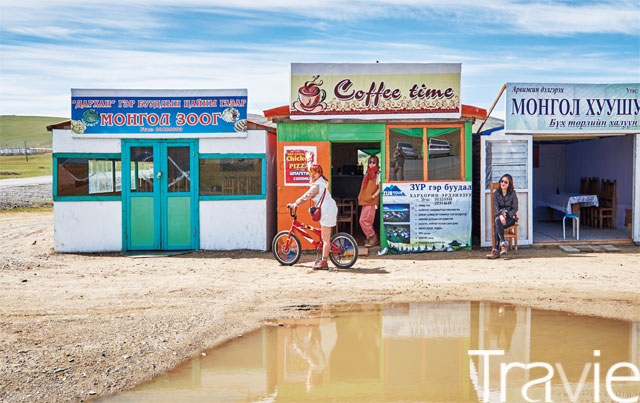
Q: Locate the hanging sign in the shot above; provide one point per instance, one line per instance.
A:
(423, 217)
(375, 90)
(572, 108)
(297, 160)
(158, 111)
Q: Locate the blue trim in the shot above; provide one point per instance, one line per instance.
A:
(489, 131)
(88, 155)
(231, 197)
(250, 155)
(86, 198)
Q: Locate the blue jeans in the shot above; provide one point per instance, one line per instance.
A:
(499, 230)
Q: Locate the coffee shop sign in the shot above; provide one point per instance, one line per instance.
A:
(375, 94)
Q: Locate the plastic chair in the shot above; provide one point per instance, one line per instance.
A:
(575, 224)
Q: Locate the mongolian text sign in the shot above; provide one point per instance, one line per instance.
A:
(573, 108)
(422, 217)
(375, 91)
(158, 111)
(297, 160)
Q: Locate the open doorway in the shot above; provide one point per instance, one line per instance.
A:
(348, 165)
(569, 175)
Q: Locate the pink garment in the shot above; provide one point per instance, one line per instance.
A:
(367, 216)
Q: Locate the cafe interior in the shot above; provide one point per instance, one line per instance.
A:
(582, 188)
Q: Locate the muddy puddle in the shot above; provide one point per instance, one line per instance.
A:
(414, 352)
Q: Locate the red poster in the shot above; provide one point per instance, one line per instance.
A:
(297, 160)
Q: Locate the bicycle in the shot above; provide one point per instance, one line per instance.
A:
(287, 248)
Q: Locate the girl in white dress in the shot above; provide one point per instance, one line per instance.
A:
(319, 185)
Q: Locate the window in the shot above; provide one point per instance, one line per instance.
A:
(444, 162)
(231, 177)
(425, 153)
(88, 176)
(405, 154)
(141, 169)
(507, 157)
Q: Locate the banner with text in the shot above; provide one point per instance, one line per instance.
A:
(158, 111)
(375, 90)
(297, 160)
(424, 217)
(572, 108)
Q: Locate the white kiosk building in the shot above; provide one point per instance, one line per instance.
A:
(557, 137)
(162, 170)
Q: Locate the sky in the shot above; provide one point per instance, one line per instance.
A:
(49, 47)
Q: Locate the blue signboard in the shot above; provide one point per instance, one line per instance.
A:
(158, 111)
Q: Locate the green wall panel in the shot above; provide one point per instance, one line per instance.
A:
(303, 131)
(142, 224)
(178, 221)
(317, 131)
(357, 132)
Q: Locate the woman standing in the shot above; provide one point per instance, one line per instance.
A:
(369, 198)
(319, 192)
(505, 207)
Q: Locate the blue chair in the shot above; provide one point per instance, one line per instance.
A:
(575, 223)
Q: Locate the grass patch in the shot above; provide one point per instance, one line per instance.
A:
(15, 130)
(16, 166)
(41, 209)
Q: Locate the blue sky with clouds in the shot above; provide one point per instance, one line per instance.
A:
(48, 47)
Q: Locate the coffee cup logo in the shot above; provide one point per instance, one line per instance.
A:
(311, 97)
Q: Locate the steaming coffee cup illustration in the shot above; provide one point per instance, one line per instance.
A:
(311, 97)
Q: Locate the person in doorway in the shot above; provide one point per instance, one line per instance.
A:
(319, 192)
(505, 207)
(398, 164)
(369, 198)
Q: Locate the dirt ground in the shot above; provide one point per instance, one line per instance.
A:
(80, 326)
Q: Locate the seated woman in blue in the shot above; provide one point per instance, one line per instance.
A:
(505, 207)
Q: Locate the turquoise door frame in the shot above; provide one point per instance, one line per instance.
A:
(167, 206)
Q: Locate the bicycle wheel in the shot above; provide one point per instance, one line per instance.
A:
(286, 255)
(344, 250)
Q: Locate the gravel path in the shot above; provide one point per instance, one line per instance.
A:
(28, 196)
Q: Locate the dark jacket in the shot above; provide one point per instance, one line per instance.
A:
(508, 202)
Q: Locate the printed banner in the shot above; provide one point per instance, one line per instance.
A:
(375, 91)
(424, 217)
(158, 111)
(573, 108)
(297, 160)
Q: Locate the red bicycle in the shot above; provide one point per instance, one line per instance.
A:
(287, 249)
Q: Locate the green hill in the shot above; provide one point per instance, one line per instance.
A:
(15, 130)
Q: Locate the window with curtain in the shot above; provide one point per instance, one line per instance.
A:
(88, 177)
(405, 154)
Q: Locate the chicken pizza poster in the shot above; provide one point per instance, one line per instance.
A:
(297, 160)
(424, 217)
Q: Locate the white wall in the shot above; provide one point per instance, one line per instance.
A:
(87, 226)
(233, 224)
(63, 142)
(255, 142)
(607, 158)
(549, 176)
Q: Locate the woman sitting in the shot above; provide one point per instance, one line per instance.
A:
(505, 207)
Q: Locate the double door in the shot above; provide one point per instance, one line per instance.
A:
(160, 195)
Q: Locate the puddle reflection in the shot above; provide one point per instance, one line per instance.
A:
(407, 352)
